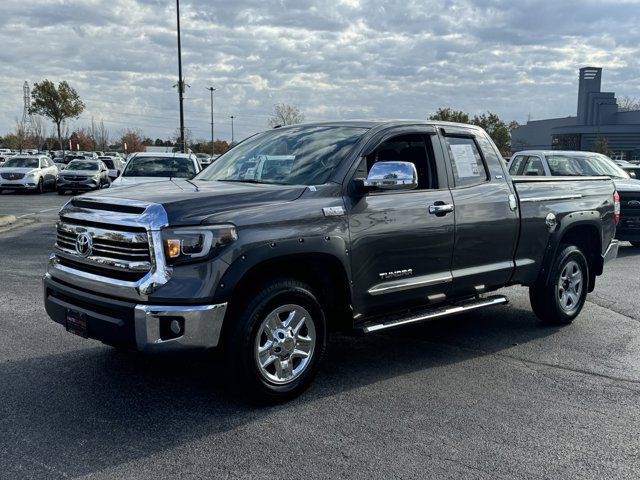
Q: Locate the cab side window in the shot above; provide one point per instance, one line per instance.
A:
(412, 148)
(533, 167)
(466, 162)
(516, 164)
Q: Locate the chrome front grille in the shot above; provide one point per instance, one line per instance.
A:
(13, 176)
(74, 178)
(113, 252)
(125, 258)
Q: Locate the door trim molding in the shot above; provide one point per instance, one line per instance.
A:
(411, 283)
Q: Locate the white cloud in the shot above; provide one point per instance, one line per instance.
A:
(334, 59)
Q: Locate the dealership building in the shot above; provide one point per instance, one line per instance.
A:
(597, 118)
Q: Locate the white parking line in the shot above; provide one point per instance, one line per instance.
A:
(36, 213)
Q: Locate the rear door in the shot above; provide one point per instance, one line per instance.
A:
(400, 252)
(486, 219)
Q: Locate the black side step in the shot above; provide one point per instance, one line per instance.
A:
(446, 311)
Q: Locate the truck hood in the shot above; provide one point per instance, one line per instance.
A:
(128, 181)
(24, 170)
(192, 202)
(626, 185)
(84, 173)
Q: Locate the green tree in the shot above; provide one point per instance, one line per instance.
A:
(450, 115)
(601, 145)
(58, 104)
(498, 130)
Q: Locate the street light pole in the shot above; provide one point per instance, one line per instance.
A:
(180, 80)
(232, 138)
(213, 149)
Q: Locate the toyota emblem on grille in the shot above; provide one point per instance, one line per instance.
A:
(84, 244)
(633, 204)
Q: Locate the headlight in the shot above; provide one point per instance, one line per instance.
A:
(31, 174)
(186, 244)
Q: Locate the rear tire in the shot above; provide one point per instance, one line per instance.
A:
(274, 346)
(61, 192)
(561, 298)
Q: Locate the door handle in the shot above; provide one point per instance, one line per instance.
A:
(440, 208)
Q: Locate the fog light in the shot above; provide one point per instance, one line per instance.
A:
(171, 327)
(175, 326)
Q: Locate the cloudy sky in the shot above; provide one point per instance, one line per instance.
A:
(335, 59)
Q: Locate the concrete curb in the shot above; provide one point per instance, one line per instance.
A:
(9, 222)
(6, 220)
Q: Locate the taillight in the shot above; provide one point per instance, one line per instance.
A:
(616, 207)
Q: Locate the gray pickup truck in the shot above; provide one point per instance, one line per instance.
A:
(358, 226)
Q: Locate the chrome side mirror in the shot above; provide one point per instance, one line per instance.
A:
(392, 176)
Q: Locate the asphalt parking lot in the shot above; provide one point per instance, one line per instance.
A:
(492, 394)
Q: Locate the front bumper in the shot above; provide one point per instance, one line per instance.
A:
(137, 326)
(89, 184)
(24, 184)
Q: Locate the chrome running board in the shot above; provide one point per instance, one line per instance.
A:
(446, 311)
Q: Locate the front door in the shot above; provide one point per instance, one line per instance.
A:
(400, 252)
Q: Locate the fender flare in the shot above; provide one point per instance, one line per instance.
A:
(590, 218)
(247, 260)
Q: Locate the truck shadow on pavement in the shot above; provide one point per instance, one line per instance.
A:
(628, 251)
(86, 410)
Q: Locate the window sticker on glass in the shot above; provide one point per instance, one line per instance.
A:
(465, 161)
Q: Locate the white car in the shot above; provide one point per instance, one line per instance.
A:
(157, 167)
(27, 172)
(114, 164)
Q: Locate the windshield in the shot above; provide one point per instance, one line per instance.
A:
(293, 156)
(82, 165)
(160, 167)
(22, 162)
(584, 165)
(108, 162)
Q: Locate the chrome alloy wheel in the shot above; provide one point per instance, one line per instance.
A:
(570, 285)
(285, 344)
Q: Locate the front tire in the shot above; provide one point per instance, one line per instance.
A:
(275, 343)
(40, 187)
(561, 298)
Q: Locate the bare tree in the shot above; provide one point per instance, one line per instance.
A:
(93, 133)
(102, 136)
(284, 114)
(628, 104)
(22, 135)
(38, 131)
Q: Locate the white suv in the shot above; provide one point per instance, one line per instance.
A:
(28, 172)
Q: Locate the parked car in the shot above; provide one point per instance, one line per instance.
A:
(204, 159)
(113, 154)
(364, 226)
(577, 163)
(28, 172)
(114, 164)
(631, 168)
(83, 175)
(156, 167)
